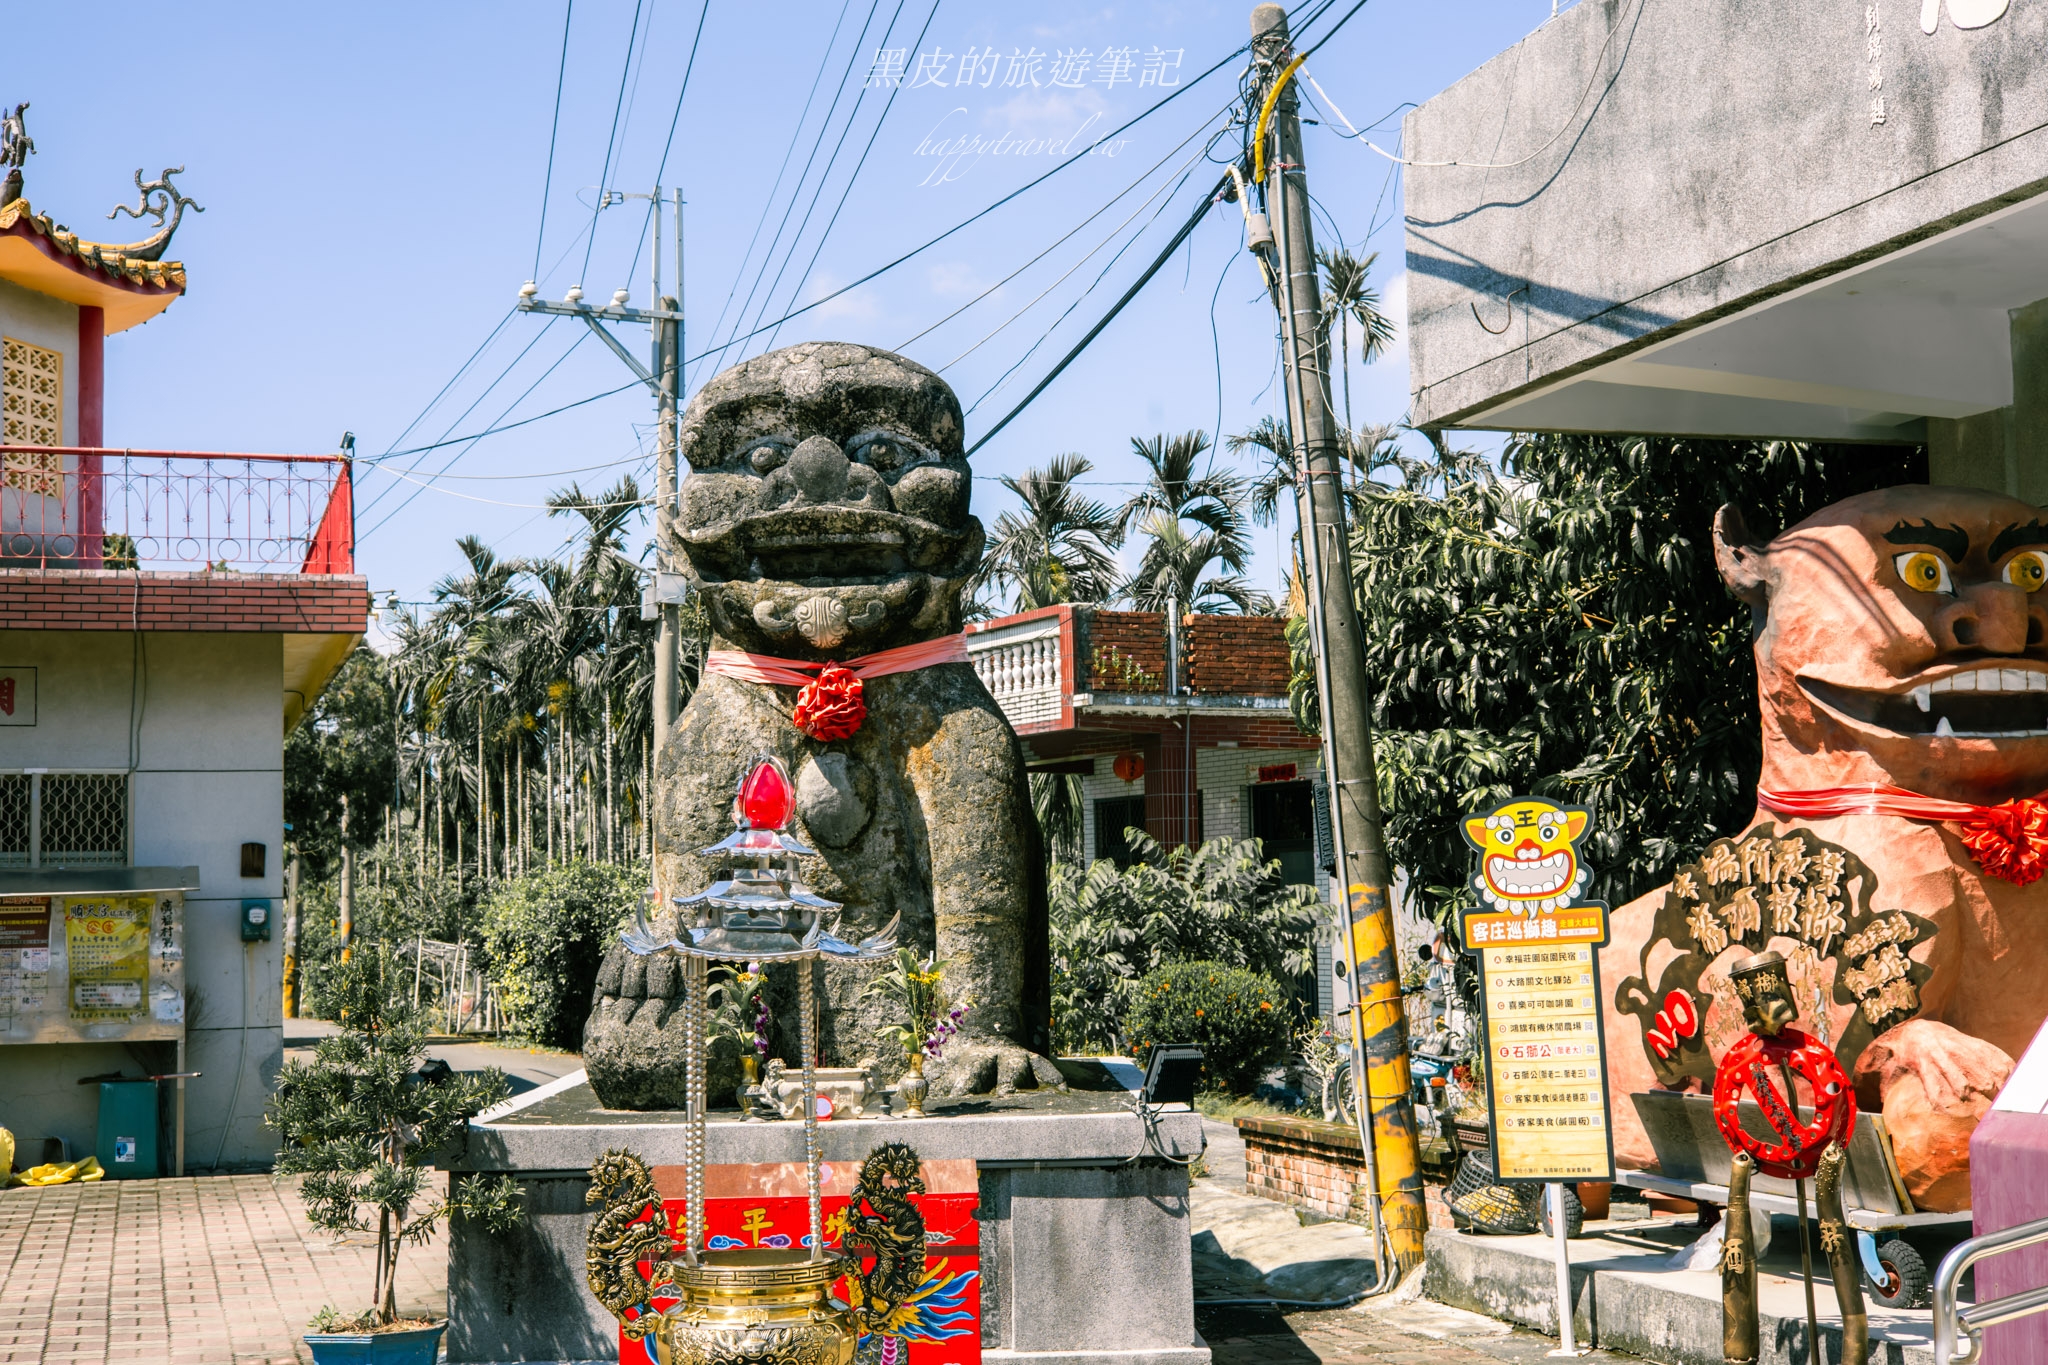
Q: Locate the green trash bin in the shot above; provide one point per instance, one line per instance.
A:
(126, 1146)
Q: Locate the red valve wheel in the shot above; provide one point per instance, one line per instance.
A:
(1752, 1066)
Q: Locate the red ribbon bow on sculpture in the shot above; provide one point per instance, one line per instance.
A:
(2009, 841)
(828, 699)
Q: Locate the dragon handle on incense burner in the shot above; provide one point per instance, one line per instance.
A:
(893, 1232)
(618, 1240)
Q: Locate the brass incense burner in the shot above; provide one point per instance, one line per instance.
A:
(752, 1306)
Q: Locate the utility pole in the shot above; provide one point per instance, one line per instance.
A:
(291, 936)
(347, 895)
(1379, 1032)
(664, 380)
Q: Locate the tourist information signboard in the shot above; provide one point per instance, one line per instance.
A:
(1537, 939)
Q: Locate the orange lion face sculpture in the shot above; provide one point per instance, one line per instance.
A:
(1901, 641)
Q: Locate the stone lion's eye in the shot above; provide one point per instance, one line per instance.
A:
(1506, 836)
(767, 458)
(880, 454)
(1923, 571)
(884, 453)
(2027, 570)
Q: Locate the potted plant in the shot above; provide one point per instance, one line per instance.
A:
(361, 1123)
(739, 1011)
(918, 988)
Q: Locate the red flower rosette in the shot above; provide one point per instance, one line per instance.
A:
(830, 708)
(2010, 841)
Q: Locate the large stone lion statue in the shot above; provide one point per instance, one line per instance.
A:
(1902, 669)
(825, 518)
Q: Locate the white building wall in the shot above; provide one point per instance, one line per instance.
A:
(196, 718)
(52, 324)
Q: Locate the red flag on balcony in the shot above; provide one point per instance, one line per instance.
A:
(333, 549)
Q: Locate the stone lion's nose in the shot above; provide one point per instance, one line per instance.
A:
(819, 469)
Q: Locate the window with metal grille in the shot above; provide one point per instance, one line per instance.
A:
(63, 819)
(16, 793)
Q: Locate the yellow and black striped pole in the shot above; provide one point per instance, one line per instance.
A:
(1380, 1077)
(1379, 1055)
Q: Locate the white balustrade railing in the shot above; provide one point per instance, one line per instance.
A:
(1020, 666)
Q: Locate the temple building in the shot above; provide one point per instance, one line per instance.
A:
(166, 618)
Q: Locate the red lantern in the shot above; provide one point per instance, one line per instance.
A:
(1129, 767)
(767, 799)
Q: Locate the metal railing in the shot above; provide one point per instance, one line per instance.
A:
(82, 507)
(1972, 1321)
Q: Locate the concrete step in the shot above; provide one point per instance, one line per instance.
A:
(1628, 1296)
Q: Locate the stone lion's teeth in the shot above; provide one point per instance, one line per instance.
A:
(1943, 728)
(1989, 680)
(2015, 679)
(1941, 684)
(1964, 682)
(1922, 696)
(2037, 682)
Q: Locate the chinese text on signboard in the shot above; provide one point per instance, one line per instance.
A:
(1537, 945)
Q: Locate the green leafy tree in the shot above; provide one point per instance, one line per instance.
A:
(347, 745)
(546, 933)
(1239, 1017)
(361, 1125)
(1223, 902)
(1563, 631)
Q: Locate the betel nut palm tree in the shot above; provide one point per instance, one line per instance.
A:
(1347, 298)
(1181, 488)
(1060, 546)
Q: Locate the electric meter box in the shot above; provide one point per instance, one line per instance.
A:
(255, 921)
(126, 1144)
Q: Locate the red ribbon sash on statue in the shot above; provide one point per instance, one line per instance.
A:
(2009, 841)
(828, 699)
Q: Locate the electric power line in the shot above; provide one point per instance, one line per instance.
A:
(969, 221)
(768, 204)
(611, 140)
(1201, 211)
(839, 207)
(795, 193)
(554, 128)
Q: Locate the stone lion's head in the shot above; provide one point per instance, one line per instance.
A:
(825, 511)
(1902, 637)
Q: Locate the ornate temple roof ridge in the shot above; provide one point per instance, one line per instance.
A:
(108, 258)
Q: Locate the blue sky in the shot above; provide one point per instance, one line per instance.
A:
(374, 177)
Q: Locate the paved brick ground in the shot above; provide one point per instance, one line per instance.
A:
(1265, 1336)
(219, 1270)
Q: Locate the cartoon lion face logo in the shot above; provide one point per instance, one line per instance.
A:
(1526, 860)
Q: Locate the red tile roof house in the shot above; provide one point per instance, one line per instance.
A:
(166, 618)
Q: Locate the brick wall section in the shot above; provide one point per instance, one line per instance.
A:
(1240, 656)
(1244, 656)
(1317, 1166)
(1139, 636)
(90, 599)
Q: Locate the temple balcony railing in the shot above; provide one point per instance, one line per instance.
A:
(1019, 663)
(79, 507)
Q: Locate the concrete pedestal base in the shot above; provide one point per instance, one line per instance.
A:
(1085, 1254)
